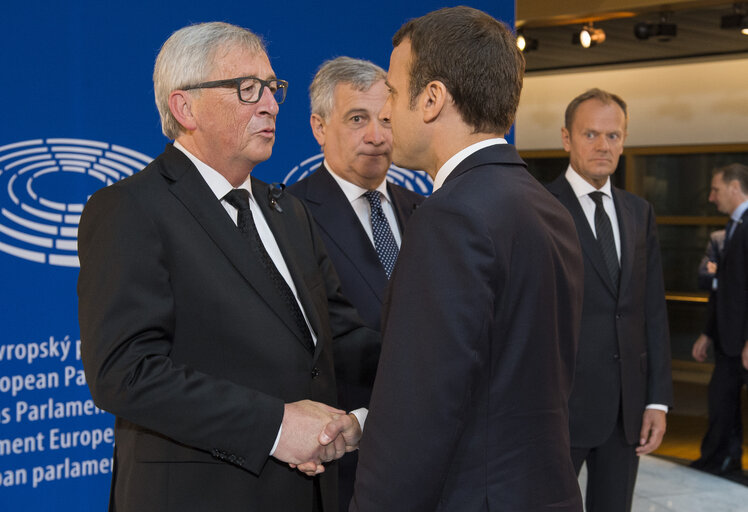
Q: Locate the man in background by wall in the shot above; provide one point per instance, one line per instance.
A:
(622, 384)
(727, 327)
(360, 215)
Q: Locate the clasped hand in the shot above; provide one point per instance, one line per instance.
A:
(314, 433)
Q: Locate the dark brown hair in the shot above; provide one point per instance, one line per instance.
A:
(475, 56)
(734, 172)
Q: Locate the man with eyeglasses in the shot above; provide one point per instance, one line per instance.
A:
(209, 307)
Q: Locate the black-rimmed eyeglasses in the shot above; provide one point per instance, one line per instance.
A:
(248, 88)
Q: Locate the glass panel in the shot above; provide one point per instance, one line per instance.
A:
(682, 248)
(679, 184)
(687, 320)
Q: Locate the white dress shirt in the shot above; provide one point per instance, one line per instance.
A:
(582, 190)
(449, 166)
(362, 208)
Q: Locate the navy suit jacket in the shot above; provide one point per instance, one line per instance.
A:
(728, 305)
(469, 408)
(623, 361)
(362, 276)
(187, 341)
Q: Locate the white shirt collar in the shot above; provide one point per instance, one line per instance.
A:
(353, 191)
(215, 180)
(739, 211)
(458, 157)
(582, 187)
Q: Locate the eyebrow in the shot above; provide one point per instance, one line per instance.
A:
(356, 111)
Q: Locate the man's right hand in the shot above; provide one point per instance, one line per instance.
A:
(699, 348)
(302, 423)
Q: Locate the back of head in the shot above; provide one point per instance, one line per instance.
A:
(475, 56)
(604, 97)
(734, 172)
(186, 59)
(360, 74)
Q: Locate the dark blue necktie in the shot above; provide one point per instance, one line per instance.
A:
(604, 232)
(239, 199)
(384, 241)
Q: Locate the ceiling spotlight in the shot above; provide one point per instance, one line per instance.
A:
(738, 19)
(663, 31)
(526, 44)
(590, 36)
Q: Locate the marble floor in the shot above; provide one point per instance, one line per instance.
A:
(666, 486)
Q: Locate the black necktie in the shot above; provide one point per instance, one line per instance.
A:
(729, 229)
(604, 232)
(384, 241)
(239, 199)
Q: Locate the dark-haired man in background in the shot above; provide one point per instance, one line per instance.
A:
(469, 408)
(360, 215)
(622, 384)
(727, 327)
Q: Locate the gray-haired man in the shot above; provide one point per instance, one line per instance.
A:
(360, 215)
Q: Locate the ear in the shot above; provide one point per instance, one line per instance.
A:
(433, 100)
(566, 139)
(318, 128)
(180, 105)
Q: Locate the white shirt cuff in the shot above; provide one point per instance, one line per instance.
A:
(659, 407)
(360, 415)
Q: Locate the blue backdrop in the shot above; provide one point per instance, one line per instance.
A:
(78, 113)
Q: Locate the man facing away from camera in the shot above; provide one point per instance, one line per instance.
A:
(469, 407)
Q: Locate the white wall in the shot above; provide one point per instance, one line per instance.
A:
(677, 103)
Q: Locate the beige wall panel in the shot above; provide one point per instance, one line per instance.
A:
(678, 103)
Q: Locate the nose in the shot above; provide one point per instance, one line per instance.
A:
(601, 143)
(374, 132)
(267, 103)
(384, 113)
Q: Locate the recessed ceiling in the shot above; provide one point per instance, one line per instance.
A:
(699, 35)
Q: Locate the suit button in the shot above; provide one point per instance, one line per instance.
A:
(315, 372)
(616, 357)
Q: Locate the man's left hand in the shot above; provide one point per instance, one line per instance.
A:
(654, 424)
(344, 432)
(745, 355)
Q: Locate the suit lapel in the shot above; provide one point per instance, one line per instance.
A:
(627, 229)
(191, 190)
(278, 225)
(335, 216)
(562, 189)
(403, 208)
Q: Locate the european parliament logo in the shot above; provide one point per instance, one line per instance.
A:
(416, 181)
(45, 183)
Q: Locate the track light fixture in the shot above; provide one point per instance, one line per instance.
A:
(663, 31)
(738, 19)
(526, 44)
(589, 36)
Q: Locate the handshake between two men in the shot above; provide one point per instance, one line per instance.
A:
(313, 433)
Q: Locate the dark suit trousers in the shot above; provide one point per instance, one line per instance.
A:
(611, 472)
(725, 434)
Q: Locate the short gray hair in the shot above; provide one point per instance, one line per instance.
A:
(361, 74)
(187, 58)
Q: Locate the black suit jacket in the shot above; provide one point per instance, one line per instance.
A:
(469, 408)
(624, 347)
(361, 274)
(728, 304)
(187, 341)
